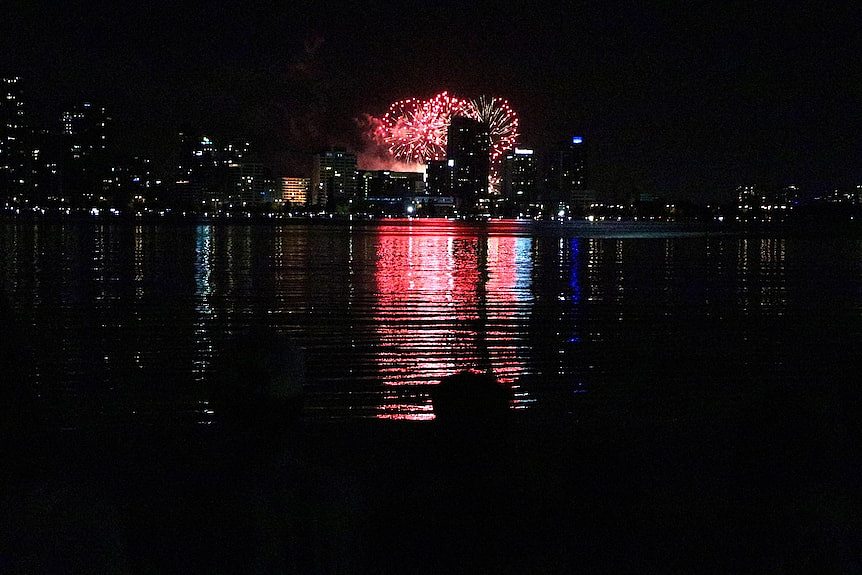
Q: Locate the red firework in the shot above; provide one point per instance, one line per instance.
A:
(415, 130)
(501, 120)
(502, 125)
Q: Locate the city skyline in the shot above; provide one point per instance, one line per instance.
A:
(77, 166)
(429, 287)
(686, 103)
(60, 144)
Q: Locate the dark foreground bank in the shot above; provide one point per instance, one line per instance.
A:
(770, 490)
(663, 479)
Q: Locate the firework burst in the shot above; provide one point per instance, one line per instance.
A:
(415, 130)
(502, 123)
(501, 120)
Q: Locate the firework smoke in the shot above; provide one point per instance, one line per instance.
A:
(375, 154)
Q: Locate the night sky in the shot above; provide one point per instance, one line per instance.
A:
(687, 100)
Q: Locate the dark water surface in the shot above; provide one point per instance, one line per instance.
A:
(125, 321)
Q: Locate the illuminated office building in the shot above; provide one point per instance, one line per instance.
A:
(85, 153)
(295, 190)
(333, 180)
(520, 176)
(13, 146)
(439, 178)
(567, 175)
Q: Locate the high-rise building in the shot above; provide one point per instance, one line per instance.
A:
(439, 178)
(85, 162)
(749, 199)
(372, 184)
(567, 175)
(520, 177)
(201, 174)
(137, 184)
(253, 184)
(468, 152)
(766, 202)
(238, 179)
(295, 190)
(14, 151)
(45, 149)
(389, 184)
(333, 180)
(183, 190)
(790, 195)
(211, 176)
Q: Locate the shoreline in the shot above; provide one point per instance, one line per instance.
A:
(725, 495)
(611, 229)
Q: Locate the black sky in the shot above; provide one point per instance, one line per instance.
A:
(686, 99)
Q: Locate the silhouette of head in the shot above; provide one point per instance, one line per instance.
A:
(471, 400)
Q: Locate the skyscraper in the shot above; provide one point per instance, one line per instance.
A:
(253, 183)
(567, 175)
(439, 178)
(247, 181)
(13, 145)
(85, 161)
(211, 176)
(234, 185)
(520, 177)
(200, 174)
(749, 198)
(333, 180)
(468, 150)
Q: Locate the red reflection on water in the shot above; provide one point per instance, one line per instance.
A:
(446, 299)
(501, 308)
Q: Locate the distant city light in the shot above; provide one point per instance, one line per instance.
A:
(577, 140)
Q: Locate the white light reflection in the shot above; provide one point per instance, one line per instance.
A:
(203, 305)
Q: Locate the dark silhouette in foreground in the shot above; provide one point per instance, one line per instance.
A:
(472, 402)
(249, 499)
(56, 514)
(668, 483)
(478, 502)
